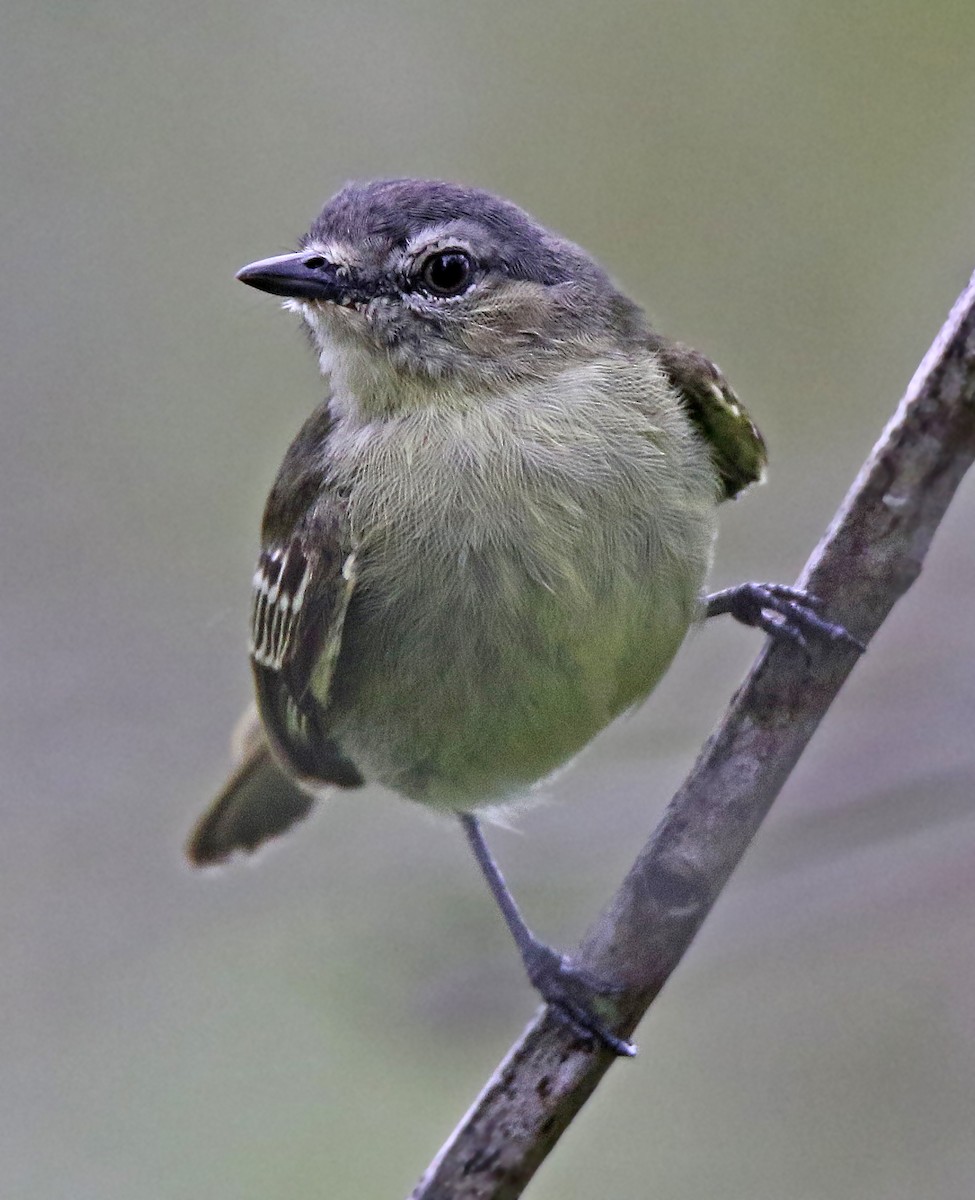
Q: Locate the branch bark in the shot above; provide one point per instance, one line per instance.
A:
(869, 556)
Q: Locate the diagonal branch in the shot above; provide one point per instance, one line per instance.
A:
(868, 558)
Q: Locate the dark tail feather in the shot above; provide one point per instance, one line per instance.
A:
(258, 802)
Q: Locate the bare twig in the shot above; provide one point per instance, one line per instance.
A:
(869, 557)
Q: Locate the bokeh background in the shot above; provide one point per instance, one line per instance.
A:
(788, 186)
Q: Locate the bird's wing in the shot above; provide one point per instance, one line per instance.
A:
(302, 589)
(737, 448)
(304, 581)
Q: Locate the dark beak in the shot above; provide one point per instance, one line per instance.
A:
(303, 276)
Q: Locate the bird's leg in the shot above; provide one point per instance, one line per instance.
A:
(782, 612)
(569, 989)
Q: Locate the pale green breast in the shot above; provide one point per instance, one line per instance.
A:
(513, 600)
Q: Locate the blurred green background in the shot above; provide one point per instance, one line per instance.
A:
(788, 186)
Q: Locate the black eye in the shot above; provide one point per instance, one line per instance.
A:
(447, 273)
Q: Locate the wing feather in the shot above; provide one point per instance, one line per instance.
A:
(302, 590)
(737, 448)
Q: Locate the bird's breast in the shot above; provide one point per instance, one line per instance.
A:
(517, 588)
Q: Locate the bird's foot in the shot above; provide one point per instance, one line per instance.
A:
(784, 613)
(573, 993)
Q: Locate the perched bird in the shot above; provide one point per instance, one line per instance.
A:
(492, 536)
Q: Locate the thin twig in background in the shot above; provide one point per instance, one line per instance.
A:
(868, 558)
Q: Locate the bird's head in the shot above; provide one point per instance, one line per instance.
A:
(415, 290)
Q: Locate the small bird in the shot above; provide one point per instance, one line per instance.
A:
(489, 540)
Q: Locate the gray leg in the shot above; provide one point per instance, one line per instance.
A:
(570, 990)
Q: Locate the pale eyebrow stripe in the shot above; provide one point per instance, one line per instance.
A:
(341, 254)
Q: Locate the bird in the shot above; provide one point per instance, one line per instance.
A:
(491, 537)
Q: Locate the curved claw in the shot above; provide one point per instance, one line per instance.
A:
(582, 1023)
(572, 993)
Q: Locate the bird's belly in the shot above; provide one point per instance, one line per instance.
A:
(488, 672)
